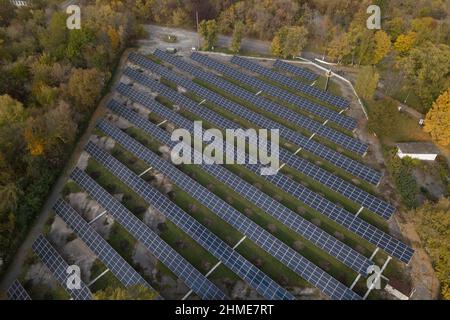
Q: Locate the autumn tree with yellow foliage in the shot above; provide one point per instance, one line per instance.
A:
(289, 41)
(382, 46)
(437, 121)
(405, 42)
(367, 82)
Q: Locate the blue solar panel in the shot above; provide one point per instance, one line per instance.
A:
(304, 268)
(305, 104)
(301, 72)
(285, 113)
(230, 258)
(328, 179)
(339, 160)
(138, 229)
(58, 267)
(332, 99)
(341, 216)
(17, 292)
(298, 224)
(110, 258)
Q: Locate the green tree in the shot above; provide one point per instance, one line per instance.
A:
(425, 28)
(382, 46)
(367, 82)
(289, 41)
(365, 48)
(395, 27)
(209, 33)
(433, 226)
(427, 68)
(339, 47)
(7, 12)
(54, 39)
(43, 94)
(9, 196)
(14, 79)
(7, 228)
(10, 110)
(238, 34)
(296, 40)
(181, 18)
(136, 292)
(85, 86)
(437, 121)
(79, 39)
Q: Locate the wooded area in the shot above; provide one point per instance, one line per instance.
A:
(51, 79)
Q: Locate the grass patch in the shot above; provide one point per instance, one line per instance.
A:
(392, 126)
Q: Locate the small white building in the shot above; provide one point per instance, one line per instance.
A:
(418, 150)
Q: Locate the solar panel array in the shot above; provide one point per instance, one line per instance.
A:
(139, 230)
(285, 113)
(329, 209)
(301, 72)
(300, 225)
(58, 267)
(304, 268)
(354, 167)
(344, 218)
(112, 260)
(17, 292)
(230, 258)
(305, 104)
(325, 96)
(328, 179)
(358, 169)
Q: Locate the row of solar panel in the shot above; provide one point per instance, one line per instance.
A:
(300, 225)
(17, 292)
(335, 183)
(354, 167)
(325, 96)
(302, 103)
(58, 267)
(229, 257)
(152, 242)
(111, 259)
(314, 275)
(329, 209)
(301, 72)
(285, 113)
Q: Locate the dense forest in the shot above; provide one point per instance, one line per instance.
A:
(51, 79)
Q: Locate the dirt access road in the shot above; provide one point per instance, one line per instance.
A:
(187, 39)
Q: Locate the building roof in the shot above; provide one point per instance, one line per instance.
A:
(418, 148)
